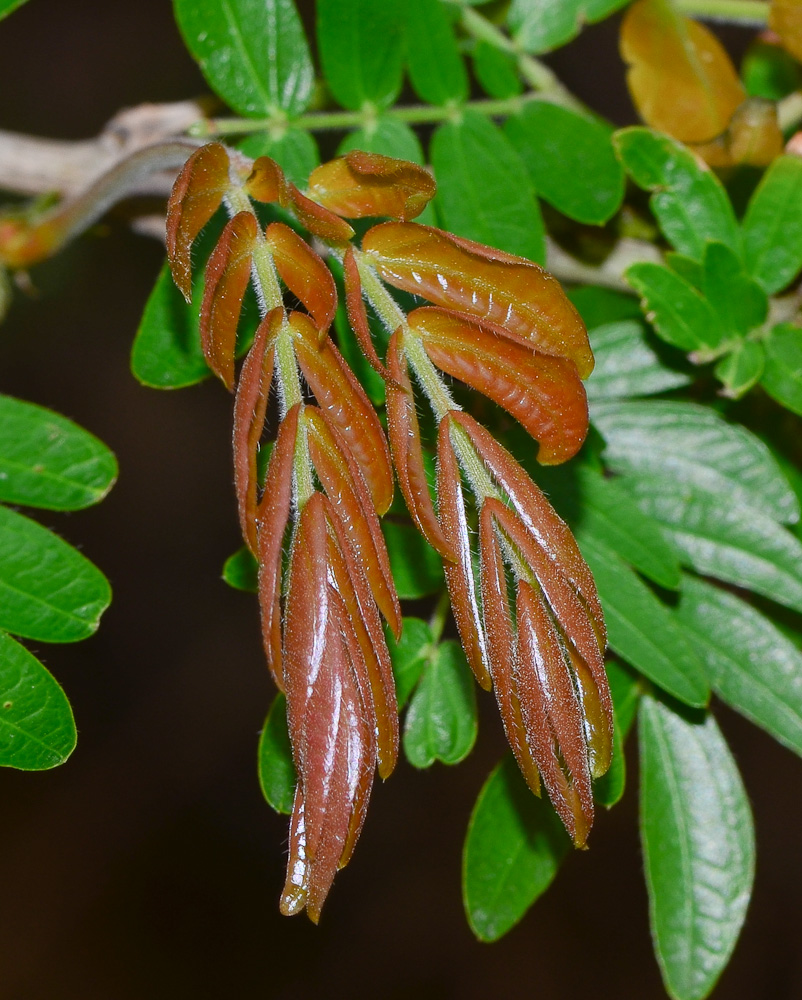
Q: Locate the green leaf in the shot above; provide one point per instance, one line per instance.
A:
(483, 189)
(689, 202)
(276, 768)
(417, 569)
(435, 65)
(609, 515)
(598, 306)
(241, 571)
(679, 314)
(597, 10)
(253, 53)
(739, 303)
(167, 351)
(7, 6)
(782, 375)
(698, 845)
(48, 461)
(48, 590)
(361, 49)
(625, 691)
(686, 443)
(768, 71)
(741, 369)
(409, 656)
(570, 159)
(542, 25)
(295, 152)
(752, 666)
(513, 849)
(688, 268)
(627, 364)
(773, 225)
(496, 71)
(441, 719)
(727, 540)
(37, 730)
(641, 628)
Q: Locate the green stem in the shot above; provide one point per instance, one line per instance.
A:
(438, 620)
(747, 12)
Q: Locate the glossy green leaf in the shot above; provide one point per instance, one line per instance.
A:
(48, 590)
(361, 49)
(48, 461)
(689, 202)
(627, 364)
(688, 268)
(641, 629)
(409, 656)
(598, 305)
(513, 849)
(253, 53)
(37, 730)
(768, 71)
(167, 351)
(433, 59)
(609, 514)
(7, 6)
(782, 375)
(625, 689)
(441, 719)
(295, 152)
(570, 159)
(686, 443)
(496, 71)
(740, 304)
(698, 845)
(679, 314)
(751, 665)
(483, 189)
(773, 225)
(241, 571)
(741, 369)
(416, 567)
(275, 764)
(724, 539)
(542, 25)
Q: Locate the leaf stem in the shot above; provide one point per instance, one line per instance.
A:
(438, 620)
(744, 12)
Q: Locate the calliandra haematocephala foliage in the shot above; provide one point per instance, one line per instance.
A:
(523, 598)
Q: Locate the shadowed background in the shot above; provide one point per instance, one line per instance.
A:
(149, 866)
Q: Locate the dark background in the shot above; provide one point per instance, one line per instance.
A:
(149, 866)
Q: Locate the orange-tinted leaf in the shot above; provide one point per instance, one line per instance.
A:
(753, 137)
(345, 486)
(343, 399)
(196, 196)
(362, 184)
(680, 77)
(227, 275)
(293, 896)
(253, 390)
(552, 715)
(460, 575)
(597, 718)
(540, 519)
(272, 517)
(544, 393)
(267, 182)
(501, 647)
(785, 17)
(357, 314)
(304, 273)
(404, 430)
(317, 219)
(508, 291)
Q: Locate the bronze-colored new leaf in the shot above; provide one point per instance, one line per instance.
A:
(304, 274)
(785, 17)
(360, 185)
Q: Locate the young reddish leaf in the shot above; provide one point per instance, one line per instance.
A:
(543, 393)
(552, 715)
(402, 424)
(345, 486)
(272, 517)
(500, 288)
(267, 182)
(250, 405)
(343, 399)
(317, 219)
(304, 273)
(228, 272)
(196, 196)
(501, 647)
(293, 896)
(680, 77)
(357, 314)
(459, 575)
(540, 519)
(596, 713)
(752, 138)
(785, 17)
(368, 184)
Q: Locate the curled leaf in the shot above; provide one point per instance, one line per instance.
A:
(369, 184)
(357, 314)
